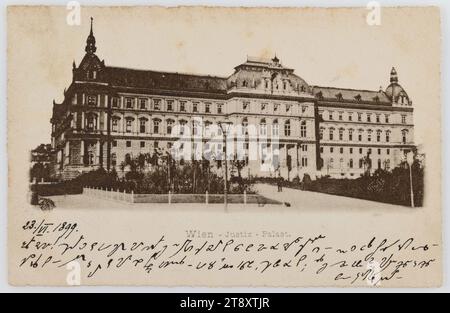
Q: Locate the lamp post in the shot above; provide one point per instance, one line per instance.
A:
(224, 127)
(410, 161)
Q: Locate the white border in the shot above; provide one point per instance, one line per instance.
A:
(445, 11)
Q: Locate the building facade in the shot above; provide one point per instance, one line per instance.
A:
(112, 113)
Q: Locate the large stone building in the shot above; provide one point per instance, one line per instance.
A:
(112, 113)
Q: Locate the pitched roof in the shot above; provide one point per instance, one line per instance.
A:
(333, 94)
(124, 77)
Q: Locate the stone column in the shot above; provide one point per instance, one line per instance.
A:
(82, 120)
(97, 153)
(105, 125)
(67, 153)
(82, 151)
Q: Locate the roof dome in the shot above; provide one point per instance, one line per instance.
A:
(263, 74)
(395, 91)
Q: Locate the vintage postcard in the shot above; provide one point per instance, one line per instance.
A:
(224, 147)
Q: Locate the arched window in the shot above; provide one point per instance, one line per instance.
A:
(142, 125)
(156, 123)
(115, 124)
(91, 122)
(287, 128)
(303, 129)
(388, 135)
(263, 127)
(369, 135)
(182, 127)
(331, 133)
(276, 128)
(169, 126)
(350, 163)
(404, 136)
(341, 134)
(331, 163)
(129, 125)
(207, 130)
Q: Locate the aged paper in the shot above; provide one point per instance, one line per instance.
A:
(117, 128)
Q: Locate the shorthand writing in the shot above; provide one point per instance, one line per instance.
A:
(371, 260)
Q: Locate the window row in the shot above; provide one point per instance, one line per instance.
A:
(170, 105)
(362, 163)
(352, 150)
(271, 107)
(359, 135)
(360, 117)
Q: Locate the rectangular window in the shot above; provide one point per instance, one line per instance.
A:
(115, 102)
(143, 124)
(378, 118)
(341, 116)
(350, 117)
(388, 151)
(360, 151)
(219, 109)
(92, 100)
(115, 125)
(129, 124)
(305, 162)
(330, 116)
(331, 149)
(156, 145)
(142, 144)
(321, 149)
(369, 118)
(182, 106)
(157, 104)
(341, 150)
(143, 104)
(128, 144)
(195, 107)
(156, 126)
(169, 105)
(359, 117)
(379, 151)
(129, 103)
(351, 150)
(386, 118)
(403, 119)
(114, 143)
(207, 107)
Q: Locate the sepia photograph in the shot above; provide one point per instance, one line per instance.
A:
(224, 147)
